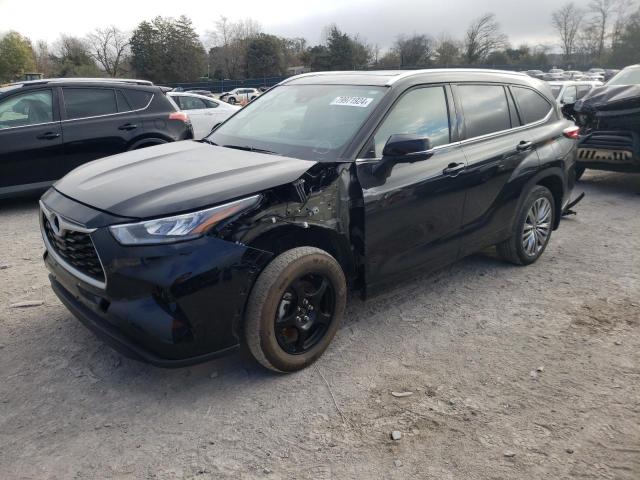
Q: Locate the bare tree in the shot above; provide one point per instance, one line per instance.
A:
(567, 21)
(230, 40)
(603, 11)
(414, 50)
(42, 57)
(447, 51)
(109, 47)
(483, 36)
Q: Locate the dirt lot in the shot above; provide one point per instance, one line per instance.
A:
(515, 373)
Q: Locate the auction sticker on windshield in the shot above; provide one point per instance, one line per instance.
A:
(352, 101)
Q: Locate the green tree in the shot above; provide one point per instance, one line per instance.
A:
(167, 50)
(16, 56)
(414, 50)
(264, 56)
(626, 50)
(71, 58)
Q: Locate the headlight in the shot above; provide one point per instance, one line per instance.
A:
(179, 227)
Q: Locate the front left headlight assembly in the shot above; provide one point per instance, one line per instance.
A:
(178, 228)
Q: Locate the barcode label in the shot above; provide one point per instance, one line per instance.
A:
(362, 102)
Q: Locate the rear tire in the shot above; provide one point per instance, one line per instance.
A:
(232, 101)
(295, 309)
(532, 228)
(579, 172)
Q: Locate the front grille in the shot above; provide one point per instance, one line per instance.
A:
(75, 248)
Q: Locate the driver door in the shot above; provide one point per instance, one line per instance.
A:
(412, 211)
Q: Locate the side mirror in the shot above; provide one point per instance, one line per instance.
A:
(407, 148)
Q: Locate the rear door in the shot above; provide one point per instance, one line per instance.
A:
(412, 210)
(495, 147)
(92, 125)
(31, 153)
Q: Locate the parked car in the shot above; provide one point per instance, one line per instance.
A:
(610, 73)
(553, 77)
(573, 75)
(556, 70)
(609, 120)
(205, 93)
(204, 112)
(535, 73)
(239, 95)
(328, 182)
(49, 127)
(571, 90)
(596, 71)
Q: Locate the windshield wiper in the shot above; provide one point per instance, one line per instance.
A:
(209, 142)
(251, 149)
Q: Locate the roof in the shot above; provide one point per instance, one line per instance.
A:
(389, 77)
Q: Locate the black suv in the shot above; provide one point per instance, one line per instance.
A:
(327, 182)
(49, 127)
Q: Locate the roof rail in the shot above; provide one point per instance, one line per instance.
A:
(84, 80)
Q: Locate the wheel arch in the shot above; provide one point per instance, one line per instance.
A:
(551, 178)
(286, 237)
(148, 141)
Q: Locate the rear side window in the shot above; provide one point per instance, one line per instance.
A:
(210, 103)
(533, 107)
(191, 103)
(138, 99)
(89, 102)
(485, 109)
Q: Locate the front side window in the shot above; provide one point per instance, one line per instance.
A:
(89, 102)
(312, 122)
(485, 109)
(422, 112)
(582, 91)
(30, 108)
(533, 107)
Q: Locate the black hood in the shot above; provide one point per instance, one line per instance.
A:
(176, 177)
(610, 100)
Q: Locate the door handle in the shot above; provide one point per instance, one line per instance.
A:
(128, 126)
(48, 136)
(454, 169)
(522, 146)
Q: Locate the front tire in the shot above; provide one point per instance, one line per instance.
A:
(232, 101)
(295, 309)
(532, 229)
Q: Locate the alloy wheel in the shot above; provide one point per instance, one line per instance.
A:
(537, 226)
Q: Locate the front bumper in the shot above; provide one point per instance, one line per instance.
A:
(614, 150)
(169, 305)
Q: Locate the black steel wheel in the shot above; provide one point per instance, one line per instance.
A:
(295, 309)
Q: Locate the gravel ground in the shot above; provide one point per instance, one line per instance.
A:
(515, 372)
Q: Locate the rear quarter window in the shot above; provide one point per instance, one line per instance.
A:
(533, 107)
(138, 99)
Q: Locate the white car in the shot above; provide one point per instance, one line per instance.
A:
(204, 112)
(571, 90)
(240, 95)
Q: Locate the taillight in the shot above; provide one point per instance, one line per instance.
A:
(183, 117)
(571, 132)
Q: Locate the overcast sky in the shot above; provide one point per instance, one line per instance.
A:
(377, 21)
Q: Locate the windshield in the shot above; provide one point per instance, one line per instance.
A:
(630, 76)
(311, 122)
(555, 89)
